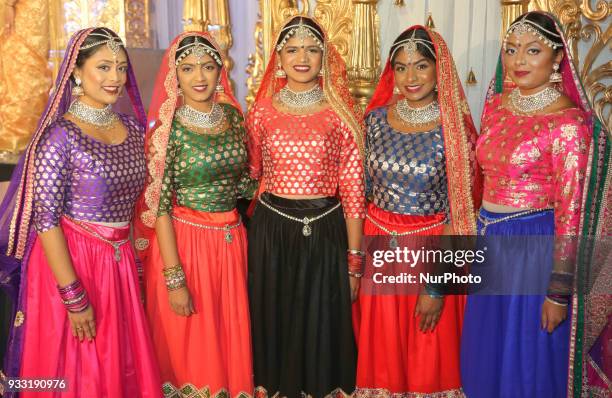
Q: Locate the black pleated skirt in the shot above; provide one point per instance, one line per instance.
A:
(303, 342)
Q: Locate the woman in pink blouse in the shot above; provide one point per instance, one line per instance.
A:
(533, 150)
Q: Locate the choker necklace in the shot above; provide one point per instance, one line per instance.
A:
(533, 102)
(302, 99)
(202, 120)
(101, 118)
(417, 116)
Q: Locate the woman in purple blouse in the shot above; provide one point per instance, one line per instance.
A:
(67, 214)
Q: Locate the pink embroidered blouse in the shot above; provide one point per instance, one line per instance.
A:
(535, 161)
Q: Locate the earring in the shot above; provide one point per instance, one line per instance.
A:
(219, 88)
(555, 77)
(280, 73)
(180, 92)
(321, 73)
(396, 90)
(77, 91)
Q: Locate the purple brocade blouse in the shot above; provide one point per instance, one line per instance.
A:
(85, 179)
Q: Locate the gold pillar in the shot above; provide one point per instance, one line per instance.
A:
(364, 60)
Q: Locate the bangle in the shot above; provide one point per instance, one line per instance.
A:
(355, 274)
(356, 252)
(175, 277)
(10, 4)
(74, 296)
(554, 301)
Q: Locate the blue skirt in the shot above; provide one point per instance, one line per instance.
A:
(504, 351)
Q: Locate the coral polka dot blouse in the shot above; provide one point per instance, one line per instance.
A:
(312, 154)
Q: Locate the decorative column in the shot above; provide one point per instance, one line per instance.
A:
(364, 60)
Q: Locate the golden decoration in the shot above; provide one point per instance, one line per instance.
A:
(336, 18)
(137, 28)
(471, 79)
(19, 319)
(430, 22)
(399, 3)
(364, 60)
(585, 23)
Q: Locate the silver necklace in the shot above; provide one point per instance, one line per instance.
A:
(101, 118)
(533, 102)
(302, 99)
(417, 116)
(202, 120)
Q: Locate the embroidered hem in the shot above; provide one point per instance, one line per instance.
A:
(384, 393)
(261, 392)
(189, 390)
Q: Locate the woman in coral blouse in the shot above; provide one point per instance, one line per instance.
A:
(408, 344)
(190, 235)
(305, 145)
(533, 150)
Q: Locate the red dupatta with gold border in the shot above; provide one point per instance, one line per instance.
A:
(464, 175)
(164, 102)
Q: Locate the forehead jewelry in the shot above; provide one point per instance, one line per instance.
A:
(526, 26)
(410, 45)
(113, 43)
(198, 49)
(301, 31)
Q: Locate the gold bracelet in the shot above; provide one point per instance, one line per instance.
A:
(9, 4)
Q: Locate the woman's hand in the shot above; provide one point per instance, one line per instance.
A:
(9, 18)
(429, 309)
(552, 315)
(355, 282)
(180, 301)
(83, 324)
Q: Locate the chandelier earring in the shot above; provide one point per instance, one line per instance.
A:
(280, 73)
(180, 92)
(556, 76)
(219, 88)
(77, 90)
(320, 73)
(396, 90)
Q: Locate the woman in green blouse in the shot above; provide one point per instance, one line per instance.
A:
(190, 234)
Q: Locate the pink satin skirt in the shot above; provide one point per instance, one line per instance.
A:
(120, 361)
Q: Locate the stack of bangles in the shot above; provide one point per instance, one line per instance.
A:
(356, 260)
(558, 299)
(175, 277)
(74, 297)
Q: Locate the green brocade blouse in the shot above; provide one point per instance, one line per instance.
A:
(207, 172)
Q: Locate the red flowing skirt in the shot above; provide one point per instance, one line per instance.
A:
(209, 351)
(120, 361)
(396, 359)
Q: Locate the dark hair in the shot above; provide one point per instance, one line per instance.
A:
(91, 39)
(316, 29)
(423, 49)
(543, 24)
(196, 39)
